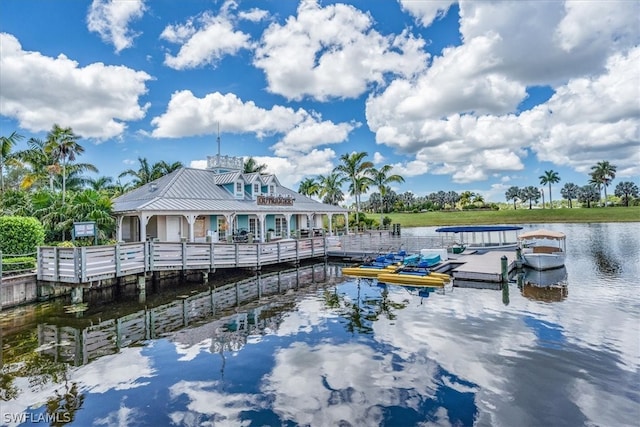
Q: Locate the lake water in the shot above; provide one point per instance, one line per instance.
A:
(336, 351)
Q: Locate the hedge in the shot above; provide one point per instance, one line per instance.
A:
(20, 235)
(18, 264)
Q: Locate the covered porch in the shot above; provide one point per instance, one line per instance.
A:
(225, 227)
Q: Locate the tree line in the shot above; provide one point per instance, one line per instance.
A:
(601, 176)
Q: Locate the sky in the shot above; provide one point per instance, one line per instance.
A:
(456, 96)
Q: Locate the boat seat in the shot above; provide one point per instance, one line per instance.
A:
(545, 249)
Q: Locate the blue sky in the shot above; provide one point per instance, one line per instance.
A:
(476, 96)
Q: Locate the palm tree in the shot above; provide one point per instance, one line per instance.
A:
(162, 168)
(330, 188)
(466, 197)
(353, 167)
(513, 193)
(588, 193)
(119, 188)
(6, 145)
(603, 173)
(381, 179)
(142, 176)
(63, 145)
(251, 166)
(100, 183)
(309, 187)
(530, 194)
(625, 190)
(75, 180)
(91, 205)
(570, 192)
(549, 177)
(41, 164)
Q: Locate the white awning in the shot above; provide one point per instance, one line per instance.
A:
(542, 234)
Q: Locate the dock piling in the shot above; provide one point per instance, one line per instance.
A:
(504, 267)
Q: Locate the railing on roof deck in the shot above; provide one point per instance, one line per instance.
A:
(86, 264)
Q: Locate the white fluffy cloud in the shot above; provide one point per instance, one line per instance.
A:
(459, 117)
(333, 52)
(203, 40)
(111, 19)
(188, 115)
(591, 118)
(426, 11)
(302, 135)
(95, 100)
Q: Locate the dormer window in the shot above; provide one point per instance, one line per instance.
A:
(256, 188)
(239, 189)
(272, 189)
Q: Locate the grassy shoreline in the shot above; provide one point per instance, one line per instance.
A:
(519, 216)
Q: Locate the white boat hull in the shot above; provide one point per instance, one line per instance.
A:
(540, 261)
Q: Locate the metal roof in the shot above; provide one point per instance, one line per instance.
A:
(201, 190)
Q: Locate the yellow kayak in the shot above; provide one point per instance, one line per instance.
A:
(397, 269)
(401, 278)
(363, 271)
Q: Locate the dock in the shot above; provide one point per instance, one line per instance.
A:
(482, 266)
(479, 266)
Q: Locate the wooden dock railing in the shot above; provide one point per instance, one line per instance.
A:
(89, 263)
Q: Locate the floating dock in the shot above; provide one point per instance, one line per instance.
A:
(475, 266)
(482, 266)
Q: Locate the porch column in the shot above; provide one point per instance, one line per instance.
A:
(287, 217)
(119, 220)
(346, 222)
(191, 220)
(330, 224)
(144, 220)
(262, 219)
(229, 219)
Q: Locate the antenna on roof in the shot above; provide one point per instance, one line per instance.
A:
(218, 139)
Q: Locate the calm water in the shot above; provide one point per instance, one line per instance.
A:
(340, 351)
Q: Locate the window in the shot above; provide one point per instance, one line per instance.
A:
(238, 187)
(256, 188)
(272, 189)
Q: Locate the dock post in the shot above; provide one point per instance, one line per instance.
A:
(518, 257)
(504, 267)
(505, 293)
(77, 295)
(142, 283)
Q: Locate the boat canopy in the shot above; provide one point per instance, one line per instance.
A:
(478, 228)
(542, 234)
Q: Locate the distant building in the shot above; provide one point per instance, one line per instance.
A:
(219, 204)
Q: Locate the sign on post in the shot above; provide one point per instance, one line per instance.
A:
(84, 229)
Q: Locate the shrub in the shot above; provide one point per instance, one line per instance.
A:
(20, 235)
(66, 244)
(18, 264)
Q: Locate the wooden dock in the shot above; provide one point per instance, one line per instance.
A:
(482, 266)
(83, 265)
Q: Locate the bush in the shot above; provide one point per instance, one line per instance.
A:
(20, 235)
(18, 264)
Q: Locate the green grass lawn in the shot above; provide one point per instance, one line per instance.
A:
(519, 216)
